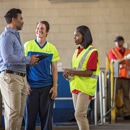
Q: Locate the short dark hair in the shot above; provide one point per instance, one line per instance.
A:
(46, 24)
(87, 37)
(12, 13)
(119, 38)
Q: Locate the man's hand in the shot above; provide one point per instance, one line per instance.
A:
(127, 57)
(34, 60)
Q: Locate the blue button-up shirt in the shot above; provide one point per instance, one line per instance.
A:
(12, 55)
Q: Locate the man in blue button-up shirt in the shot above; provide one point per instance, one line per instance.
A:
(13, 70)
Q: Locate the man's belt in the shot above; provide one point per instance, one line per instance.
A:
(14, 72)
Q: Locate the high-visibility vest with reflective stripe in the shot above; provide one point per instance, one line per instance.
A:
(124, 67)
(84, 84)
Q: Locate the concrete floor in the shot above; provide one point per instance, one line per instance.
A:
(119, 125)
(116, 126)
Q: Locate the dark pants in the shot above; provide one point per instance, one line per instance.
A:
(39, 101)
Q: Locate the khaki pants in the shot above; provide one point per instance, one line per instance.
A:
(124, 84)
(13, 90)
(81, 102)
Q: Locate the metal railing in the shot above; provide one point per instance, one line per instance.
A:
(102, 97)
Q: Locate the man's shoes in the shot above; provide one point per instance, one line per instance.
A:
(127, 117)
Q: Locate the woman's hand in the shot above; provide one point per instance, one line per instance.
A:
(28, 89)
(66, 73)
(53, 90)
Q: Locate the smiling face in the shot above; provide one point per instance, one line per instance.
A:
(78, 38)
(41, 31)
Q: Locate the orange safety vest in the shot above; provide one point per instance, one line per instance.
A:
(124, 67)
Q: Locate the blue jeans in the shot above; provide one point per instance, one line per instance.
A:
(39, 102)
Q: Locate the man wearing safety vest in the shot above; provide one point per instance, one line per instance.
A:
(83, 75)
(121, 55)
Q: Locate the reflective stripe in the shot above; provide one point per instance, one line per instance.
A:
(83, 58)
(95, 76)
(118, 57)
(82, 61)
(127, 51)
(75, 69)
(122, 65)
(72, 77)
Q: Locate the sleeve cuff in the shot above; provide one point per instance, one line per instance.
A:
(28, 60)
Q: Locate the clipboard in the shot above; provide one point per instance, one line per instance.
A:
(41, 57)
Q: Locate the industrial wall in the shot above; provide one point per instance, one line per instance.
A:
(105, 18)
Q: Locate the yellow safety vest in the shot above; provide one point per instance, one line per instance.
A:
(84, 84)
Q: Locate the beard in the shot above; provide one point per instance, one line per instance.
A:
(19, 27)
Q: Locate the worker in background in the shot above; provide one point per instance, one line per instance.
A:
(121, 55)
(84, 74)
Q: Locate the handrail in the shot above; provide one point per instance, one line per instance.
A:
(66, 98)
(102, 96)
(63, 98)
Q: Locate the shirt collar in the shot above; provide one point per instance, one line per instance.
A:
(79, 48)
(12, 30)
(119, 49)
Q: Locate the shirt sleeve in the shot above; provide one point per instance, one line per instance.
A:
(56, 56)
(26, 49)
(92, 62)
(12, 52)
